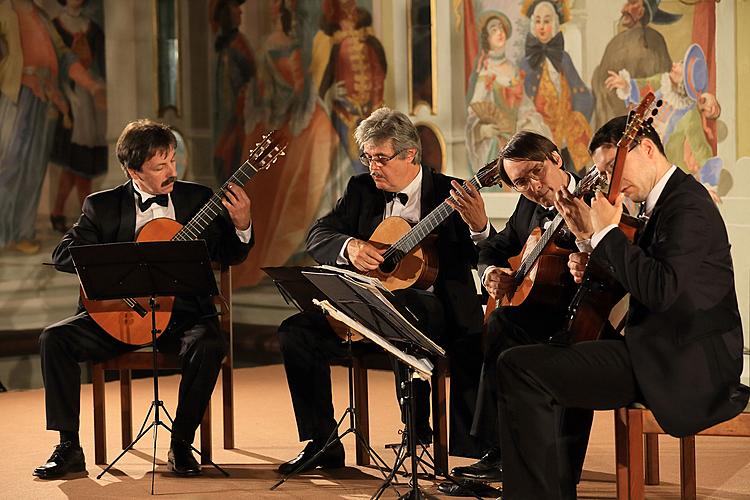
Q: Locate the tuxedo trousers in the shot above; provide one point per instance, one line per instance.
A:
(308, 344)
(198, 342)
(539, 386)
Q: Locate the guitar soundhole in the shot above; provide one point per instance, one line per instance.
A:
(388, 266)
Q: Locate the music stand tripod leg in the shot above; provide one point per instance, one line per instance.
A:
(335, 434)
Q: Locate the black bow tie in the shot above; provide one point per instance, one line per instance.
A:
(402, 197)
(160, 199)
(537, 51)
(546, 214)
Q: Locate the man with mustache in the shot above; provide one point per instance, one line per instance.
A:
(146, 151)
(638, 49)
(449, 312)
(681, 353)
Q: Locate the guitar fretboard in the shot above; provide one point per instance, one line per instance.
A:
(420, 231)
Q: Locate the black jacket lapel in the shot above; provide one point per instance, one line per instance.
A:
(126, 230)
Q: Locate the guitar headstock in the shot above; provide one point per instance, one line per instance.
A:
(638, 119)
(592, 181)
(489, 175)
(271, 147)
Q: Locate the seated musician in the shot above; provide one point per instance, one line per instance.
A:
(146, 151)
(681, 353)
(450, 313)
(532, 165)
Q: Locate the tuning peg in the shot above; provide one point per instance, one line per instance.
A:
(649, 121)
(659, 103)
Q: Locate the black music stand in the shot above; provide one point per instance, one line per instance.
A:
(146, 269)
(365, 309)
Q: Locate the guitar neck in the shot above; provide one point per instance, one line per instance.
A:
(200, 221)
(544, 240)
(420, 231)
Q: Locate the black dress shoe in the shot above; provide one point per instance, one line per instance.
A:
(181, 461)
(332, 458)
(487, 468)
(66, 458)
(468, 488)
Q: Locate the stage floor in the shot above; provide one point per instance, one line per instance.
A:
(266, 435)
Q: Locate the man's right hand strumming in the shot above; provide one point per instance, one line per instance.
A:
(499, 282)
(363, 255)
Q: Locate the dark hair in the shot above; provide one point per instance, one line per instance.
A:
(526, 145)
(613, 130)
(140, 140)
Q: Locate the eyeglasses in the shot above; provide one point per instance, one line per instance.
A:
(380, 160)
(535, 174)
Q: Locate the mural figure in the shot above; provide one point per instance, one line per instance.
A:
(288, 199)
(81, 150)
(553, 83)
(639, 49)
(354, 74)
(32, 58)
(235, 74)
(681, 121)
(497, 103)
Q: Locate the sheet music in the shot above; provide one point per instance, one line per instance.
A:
(422, 367)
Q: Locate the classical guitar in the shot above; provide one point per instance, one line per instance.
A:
(599, 292)
(126, 319)
(540, 271)
(410, 258)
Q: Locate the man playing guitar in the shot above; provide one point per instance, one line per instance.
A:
(681, 353)
(449, 311)
(146, 151)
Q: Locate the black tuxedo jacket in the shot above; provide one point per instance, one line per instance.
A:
(109, 217)
(359, 211)
(683, 330)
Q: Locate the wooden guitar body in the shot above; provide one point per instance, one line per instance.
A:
(547, 280)
(418, 268)
(120, 320)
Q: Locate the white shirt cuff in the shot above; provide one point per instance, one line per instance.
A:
(482, 235)
(341, 259)
(597, 237)
(245, 235)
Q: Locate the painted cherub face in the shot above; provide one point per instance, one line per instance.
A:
(543, 22)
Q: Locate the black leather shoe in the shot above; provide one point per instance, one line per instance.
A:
(65, 459)
(468, 488)
(181, 461)
(332, 458)
(487, 468)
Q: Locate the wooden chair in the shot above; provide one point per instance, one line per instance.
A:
(635, 426)
(361, 405)
(142, 360)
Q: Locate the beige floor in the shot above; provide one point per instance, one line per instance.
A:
(266, 436)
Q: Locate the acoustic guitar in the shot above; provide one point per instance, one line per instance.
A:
(410, 258)
(127, 319)
(599, 292)
(540, 271)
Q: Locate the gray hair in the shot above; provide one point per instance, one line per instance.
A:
(385, 124)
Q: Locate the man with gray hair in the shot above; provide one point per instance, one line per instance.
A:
(449, 312)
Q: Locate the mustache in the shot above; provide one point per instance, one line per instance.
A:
(168, 181)
(376, 175)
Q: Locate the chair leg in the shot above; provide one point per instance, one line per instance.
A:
(227, 389)
(652, 459)
(126, 407)
(206, 436)
(439, 420)
(635, 454)
(361, 411)
(687, 468)
(100, 421)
